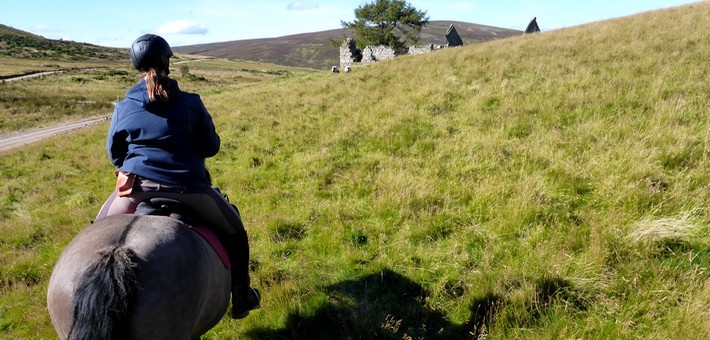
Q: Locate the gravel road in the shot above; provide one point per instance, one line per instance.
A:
(23, 138)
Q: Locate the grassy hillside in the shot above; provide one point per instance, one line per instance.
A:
(543, 186)
(315, 50)
(24, 53)
(19, 44)
(7, 30)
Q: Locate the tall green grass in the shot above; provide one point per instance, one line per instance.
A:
(544, 186)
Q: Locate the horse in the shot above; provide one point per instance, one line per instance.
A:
(137, 277)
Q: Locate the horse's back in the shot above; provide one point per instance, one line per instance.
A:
(182, 288)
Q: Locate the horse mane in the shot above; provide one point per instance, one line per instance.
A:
(103, 296)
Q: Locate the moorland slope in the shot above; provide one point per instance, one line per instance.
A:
(316, 50)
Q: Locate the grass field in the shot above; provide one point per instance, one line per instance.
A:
(89, 89)
(552, 185)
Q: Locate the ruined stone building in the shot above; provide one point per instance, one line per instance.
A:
(350, 54)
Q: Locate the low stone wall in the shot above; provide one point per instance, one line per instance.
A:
(423, 49)
(371, 54)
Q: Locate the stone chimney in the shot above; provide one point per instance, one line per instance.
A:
(349, 53)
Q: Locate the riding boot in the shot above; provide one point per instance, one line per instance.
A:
(244, 298)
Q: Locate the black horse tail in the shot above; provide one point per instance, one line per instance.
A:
(103, 297)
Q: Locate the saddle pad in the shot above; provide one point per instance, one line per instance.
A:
(214, 242)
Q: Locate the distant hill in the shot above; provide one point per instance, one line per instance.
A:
(7, 30)
(20, 44)
(315, 50)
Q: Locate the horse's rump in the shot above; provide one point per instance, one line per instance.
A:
(148, 275)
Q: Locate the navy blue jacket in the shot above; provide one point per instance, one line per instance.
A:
(166, 143)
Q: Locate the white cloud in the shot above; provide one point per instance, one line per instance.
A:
(44, 29)
(182, 27)
(301, 5)
(112, 41)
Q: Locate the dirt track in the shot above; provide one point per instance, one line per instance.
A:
(31, 75)
(24, 138)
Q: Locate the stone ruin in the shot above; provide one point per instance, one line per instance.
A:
(532, 26)
(350, 54)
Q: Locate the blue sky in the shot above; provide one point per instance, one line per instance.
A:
(186, 22)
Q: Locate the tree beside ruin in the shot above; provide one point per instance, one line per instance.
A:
(394, 23)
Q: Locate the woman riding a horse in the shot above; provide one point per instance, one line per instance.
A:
(158, 140)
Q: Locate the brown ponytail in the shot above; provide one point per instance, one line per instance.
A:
(158, 84)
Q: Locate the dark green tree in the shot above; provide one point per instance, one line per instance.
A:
(392, 23)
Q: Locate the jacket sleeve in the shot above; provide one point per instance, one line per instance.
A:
(116, 143)
(208, 141)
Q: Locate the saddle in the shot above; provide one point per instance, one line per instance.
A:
(158, 206)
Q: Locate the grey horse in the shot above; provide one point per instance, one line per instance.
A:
(137, 277)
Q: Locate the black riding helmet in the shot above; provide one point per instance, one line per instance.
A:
(150, 50)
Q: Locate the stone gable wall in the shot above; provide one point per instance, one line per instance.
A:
(452, 37)
(532, 26)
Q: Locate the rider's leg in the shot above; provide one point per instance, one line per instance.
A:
(219, 212)
(117, 205)
(244, 297)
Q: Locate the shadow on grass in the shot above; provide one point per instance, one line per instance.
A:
(384, 305)
(387, 305)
